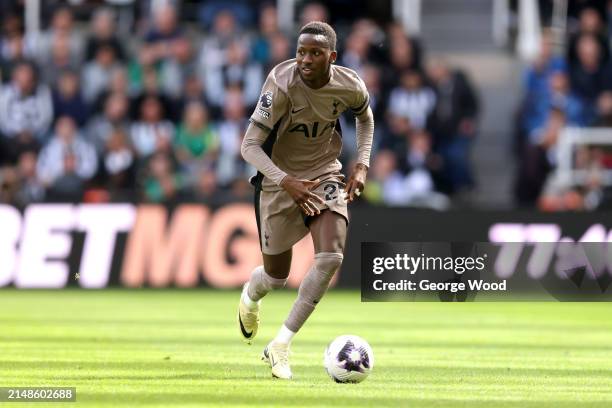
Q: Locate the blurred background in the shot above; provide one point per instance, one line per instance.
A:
(479, 105)
(148, 100)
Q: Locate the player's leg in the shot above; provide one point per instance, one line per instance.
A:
(273, 210)
(329, 235)
(264, 278)
(271, 275)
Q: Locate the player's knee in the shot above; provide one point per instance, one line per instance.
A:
(270, 281)
(328, 263)
(278, 266)
(277, 272)
(314, 286)
(276, 283)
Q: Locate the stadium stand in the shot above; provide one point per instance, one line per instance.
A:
(150, 102)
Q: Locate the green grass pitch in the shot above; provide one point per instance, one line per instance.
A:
(181, 348)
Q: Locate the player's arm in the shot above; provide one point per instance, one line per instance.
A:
(298, 189)
(364, 125)
(271, 108)
(273, 105)
(253, 153)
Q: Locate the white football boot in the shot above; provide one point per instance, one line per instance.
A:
(277, 355)
(248, 319)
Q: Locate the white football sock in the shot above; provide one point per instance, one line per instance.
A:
(250, 303)
(284, 335)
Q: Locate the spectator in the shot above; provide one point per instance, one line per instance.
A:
(103, 29)
(146, 79)
(314, 12)
(12, 23)
(397, 129)
(60, 60)
(9, 184)
(115, 117)
(559, 195)
(11, 149)
(578, 112)
(588, 76)
(240, 190)
(231, 130)
(67, 154)
(138, 67)
(404, 52)
(236, 71)
(413, 99)
(12, 51)
(152, 132)
(539, 159)
(241, 10)
(268, 28)
(25, 104)
(591, 23)
(205, 188)
(604, 110)
(280, 50)
(68, 186)
(371, 75)
(608, 18)
(193, 91)
(196, 141)
(174, 70)
(97, 73)
(164, 32)
(453, 123)
(118, 84)
(355, 56)
(385, 185)
(402, 59)
(164, 183)
(536, 78)
(62, 27)
(410, 175)
(67, 99)
(361, 45)
(371, 78)
(421, 164)
(212, 54)
(119, 165)
(30, 188)
(537, 84)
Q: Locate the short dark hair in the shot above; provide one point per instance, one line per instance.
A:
(321, 28)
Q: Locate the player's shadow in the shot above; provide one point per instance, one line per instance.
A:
(222, 398)
(193, 376)
(194, 340)
(122, 321)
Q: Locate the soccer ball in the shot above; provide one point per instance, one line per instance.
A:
(348, 359)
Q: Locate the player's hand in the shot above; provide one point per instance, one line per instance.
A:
(299, 190)
(356, 182)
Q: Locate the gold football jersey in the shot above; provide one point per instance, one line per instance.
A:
(304, 136)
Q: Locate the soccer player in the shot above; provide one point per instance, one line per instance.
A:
(294, 141)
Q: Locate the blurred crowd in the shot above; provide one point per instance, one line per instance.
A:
(569, 88)
(157, 113)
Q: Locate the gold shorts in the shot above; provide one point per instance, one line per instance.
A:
(282, 223)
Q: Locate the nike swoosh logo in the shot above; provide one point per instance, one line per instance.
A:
(297, 110)
(272, 362)
(242, 329)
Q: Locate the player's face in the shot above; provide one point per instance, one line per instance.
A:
(313, 59)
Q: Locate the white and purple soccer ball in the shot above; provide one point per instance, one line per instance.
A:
(348, 359)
